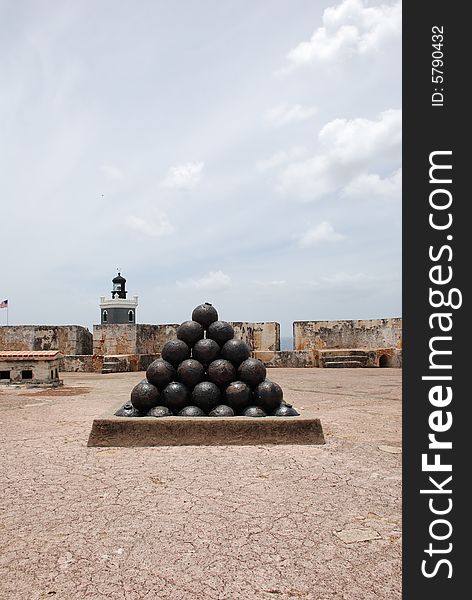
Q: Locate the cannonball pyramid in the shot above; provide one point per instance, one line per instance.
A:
(206, 371)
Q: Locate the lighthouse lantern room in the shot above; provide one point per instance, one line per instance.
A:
(118, 309)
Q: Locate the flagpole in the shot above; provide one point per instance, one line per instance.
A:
(4, 304)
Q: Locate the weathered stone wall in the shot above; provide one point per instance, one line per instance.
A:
(123, 363)
(259, 336)
(114, 339)
(84, 352)
(68, 339)
(389, 357)
(368, 334)
(120, 339)
(149, 339)
(286, 358)
(85, 363)
(94, 363)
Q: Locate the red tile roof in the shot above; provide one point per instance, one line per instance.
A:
(30, 354)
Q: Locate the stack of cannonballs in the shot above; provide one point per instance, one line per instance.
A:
(206, 371)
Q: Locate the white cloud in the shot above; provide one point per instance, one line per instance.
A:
(347, 148)
(349, 29)
(112, 172)
(362, 139)
(344, 281)
(372, 186)
(279, 158)
(283, 114)
(273, 283)
(308, 180)
(183, 177)
(214, 281)
(156, 226)
(343, 278)
(324, 232)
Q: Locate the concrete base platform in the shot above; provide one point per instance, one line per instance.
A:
(205, 431)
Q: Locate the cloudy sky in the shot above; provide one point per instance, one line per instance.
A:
(246, 153)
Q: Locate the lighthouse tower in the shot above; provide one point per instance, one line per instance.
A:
(118, 309)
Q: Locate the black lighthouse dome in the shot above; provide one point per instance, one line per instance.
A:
(118, 310)
(119, 287)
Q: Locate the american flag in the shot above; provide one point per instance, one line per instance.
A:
(4, 304)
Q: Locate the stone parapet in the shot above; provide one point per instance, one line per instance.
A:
(259, 336)
(287, 358)
(95, 363)
(68, 339)
(361, 334)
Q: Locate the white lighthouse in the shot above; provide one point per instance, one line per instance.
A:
(118, 309)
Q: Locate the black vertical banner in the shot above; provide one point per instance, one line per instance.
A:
(436, 250)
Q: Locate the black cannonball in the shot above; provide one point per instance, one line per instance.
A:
(252, 371)
(205, 351)
(254, 411)
(127, 406)
(236, 351)
(160, 373)
(144, 396)
(190, 372)
(191, 411)
(268, 395)
(175, 351)
(222, 411)
(132, 412)
(175, 396)
(206, 395)
(238, 395)
(221, 332)
(190, 332)
(159, 411)
(285, 410)
(221, 372)
(205, 314)
(128, 410)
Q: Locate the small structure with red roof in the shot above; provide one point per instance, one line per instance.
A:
(30, 367)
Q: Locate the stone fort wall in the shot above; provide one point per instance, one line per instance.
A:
(68, 339)
(136, 345)
(362, 334)
(149, 339)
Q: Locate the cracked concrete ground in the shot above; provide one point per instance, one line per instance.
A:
(187, 523)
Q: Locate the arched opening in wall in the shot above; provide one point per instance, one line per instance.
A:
(130, 316)
(384, 361)
(105, 316)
